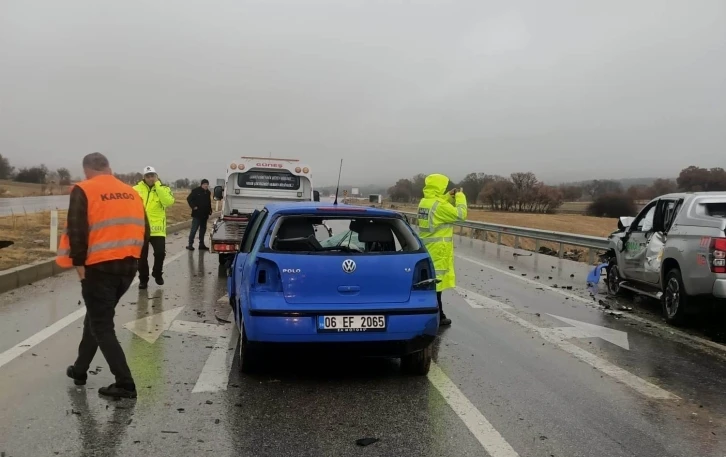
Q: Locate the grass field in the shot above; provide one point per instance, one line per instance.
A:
(10, 189)
(31, 233)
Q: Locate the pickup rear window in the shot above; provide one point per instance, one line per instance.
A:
(322, 235)
(717, 209)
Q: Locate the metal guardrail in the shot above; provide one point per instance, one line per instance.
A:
(592, 243)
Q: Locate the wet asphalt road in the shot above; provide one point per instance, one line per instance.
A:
(10, 206)
(501, 386)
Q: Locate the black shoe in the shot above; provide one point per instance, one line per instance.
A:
(444, 321)
(78, 379)
(203, 248)
(117, 392)
(159, 280)
(191, 248)
(144, 284)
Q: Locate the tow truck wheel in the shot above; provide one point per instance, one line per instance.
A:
(248, 354)
(418, 363)
(674, 298)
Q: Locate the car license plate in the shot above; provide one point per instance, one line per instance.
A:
(351, 323)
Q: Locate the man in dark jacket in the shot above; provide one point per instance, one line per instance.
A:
(200, 201)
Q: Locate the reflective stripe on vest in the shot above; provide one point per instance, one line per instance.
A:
(115, 222)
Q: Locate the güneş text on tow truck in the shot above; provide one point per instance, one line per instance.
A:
(250, 184)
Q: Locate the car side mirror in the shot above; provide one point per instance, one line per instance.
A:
(218, 193)
(316, 196)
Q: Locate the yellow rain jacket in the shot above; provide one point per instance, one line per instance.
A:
(437, 213)
(156, 200)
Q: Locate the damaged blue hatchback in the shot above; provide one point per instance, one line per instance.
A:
(355, 279)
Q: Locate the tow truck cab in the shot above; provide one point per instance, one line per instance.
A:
(250, 184)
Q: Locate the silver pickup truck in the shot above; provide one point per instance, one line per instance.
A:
(673, 251)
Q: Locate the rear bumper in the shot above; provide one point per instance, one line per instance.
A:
(405, 333)
(719, 288)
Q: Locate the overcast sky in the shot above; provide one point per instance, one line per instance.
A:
(569, 89)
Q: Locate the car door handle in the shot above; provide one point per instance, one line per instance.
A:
(348, 289)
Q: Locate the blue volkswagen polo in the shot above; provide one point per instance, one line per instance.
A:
(353, 278)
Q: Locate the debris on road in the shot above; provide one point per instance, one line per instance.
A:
(366, 441)
(224, 321)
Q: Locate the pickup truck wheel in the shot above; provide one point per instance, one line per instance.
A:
(249, 359)
(675, 298)
(418, 363)
(614, 279)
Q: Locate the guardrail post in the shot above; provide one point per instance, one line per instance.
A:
(499, 237)
(590, 256)
(516, 242)
(54, 231)
(536, 245)
(561, 251)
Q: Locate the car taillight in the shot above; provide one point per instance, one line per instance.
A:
(718, 255)
(224, 247)
(424, 275)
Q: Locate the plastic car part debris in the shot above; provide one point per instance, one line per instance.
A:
(366, 441)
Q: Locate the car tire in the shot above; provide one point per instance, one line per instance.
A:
(249, 358)
(614, 279)
(675, 300)
(418, 363)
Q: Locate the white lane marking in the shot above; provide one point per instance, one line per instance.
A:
(215, 374)
(19, 349)
(200, 328)
(480, 301)
(151, 327)
(633, 317)
(478, 425)
(640, 385)
(617, 337)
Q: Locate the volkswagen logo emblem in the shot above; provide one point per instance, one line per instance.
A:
(348, 266)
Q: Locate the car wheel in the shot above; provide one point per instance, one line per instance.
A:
(248, 354)
(614, 279)
(674, 298)
(418, 363)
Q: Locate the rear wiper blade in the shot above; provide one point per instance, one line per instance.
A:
(426, 282)
(338, 248)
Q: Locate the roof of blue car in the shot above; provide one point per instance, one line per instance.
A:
(313, 207)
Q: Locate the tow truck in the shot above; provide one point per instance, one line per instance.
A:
(250, 184)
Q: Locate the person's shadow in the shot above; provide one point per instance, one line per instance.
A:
(97, 441)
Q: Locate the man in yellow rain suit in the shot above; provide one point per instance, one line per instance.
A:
(437, 212)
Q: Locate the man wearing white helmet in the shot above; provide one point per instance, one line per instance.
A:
(157, 197)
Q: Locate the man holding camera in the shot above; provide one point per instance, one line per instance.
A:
(437, 212)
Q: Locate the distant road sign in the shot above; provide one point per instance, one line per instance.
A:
(355, 191)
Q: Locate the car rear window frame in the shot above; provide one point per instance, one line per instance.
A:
(416, 246)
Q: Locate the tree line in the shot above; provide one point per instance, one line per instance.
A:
(523, 192)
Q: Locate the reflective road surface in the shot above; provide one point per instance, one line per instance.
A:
(526, 369)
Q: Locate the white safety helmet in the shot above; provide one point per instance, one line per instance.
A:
(149, 170)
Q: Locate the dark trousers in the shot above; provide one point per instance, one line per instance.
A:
(200, 224)
(441, 306)
(102, 291)
(159, 245)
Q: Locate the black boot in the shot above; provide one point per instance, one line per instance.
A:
(79, 379)
(443, 320)
(118, 391)
(159, 279)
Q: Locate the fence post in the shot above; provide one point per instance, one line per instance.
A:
(54, 230)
